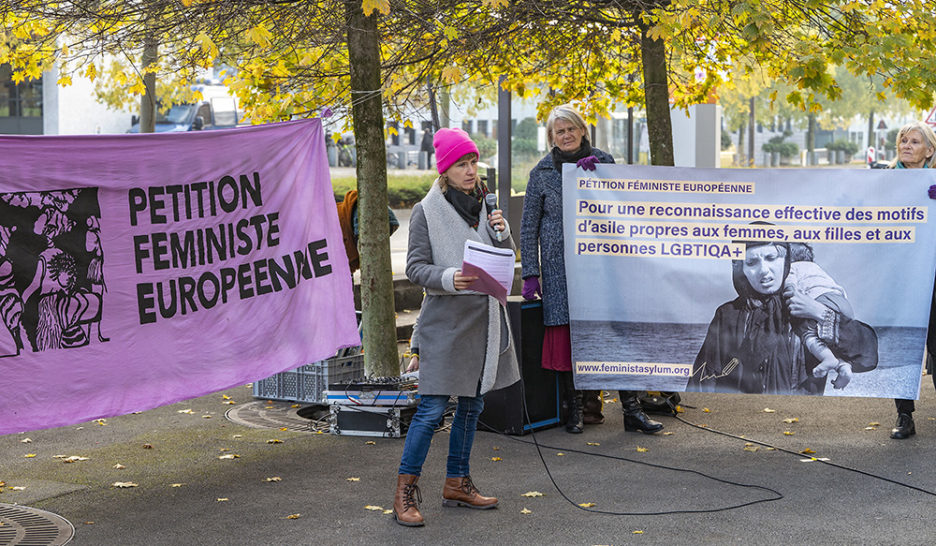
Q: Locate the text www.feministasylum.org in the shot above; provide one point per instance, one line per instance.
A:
(634, 368)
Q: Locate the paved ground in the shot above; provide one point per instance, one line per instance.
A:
(330, 481)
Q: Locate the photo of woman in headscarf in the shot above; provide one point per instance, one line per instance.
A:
(751, 345)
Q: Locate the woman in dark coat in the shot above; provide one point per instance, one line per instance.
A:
(541, 238)
(751, 346)
(465, 347)
(916, 149)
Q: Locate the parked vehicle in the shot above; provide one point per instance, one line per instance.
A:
(217, 110)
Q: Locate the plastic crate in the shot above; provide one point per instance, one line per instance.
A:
(308, 383)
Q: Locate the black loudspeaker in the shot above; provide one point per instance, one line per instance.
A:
(503, 408)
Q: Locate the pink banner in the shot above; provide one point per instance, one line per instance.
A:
(140, 270)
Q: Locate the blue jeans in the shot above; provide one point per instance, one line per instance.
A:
(422, 427)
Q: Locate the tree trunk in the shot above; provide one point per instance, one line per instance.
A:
(741, 160)
(656, 98)
(148, 100)
(811, 140)
(433, 106)
(752, 122)
(871, 128)
(444, 101)
(380, 349)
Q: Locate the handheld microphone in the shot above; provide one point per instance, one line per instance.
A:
(491, 201)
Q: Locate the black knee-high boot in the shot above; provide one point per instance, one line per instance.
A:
(635, 418)
(575, 417)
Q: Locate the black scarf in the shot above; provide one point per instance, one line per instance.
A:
(560, 157)
(467, 205)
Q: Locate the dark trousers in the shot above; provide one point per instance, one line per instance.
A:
(907, 406)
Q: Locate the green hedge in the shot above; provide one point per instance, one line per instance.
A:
(403, 190)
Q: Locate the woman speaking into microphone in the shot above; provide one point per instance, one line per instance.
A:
(465, 348)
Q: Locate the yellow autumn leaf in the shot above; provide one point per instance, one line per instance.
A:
(274, 441)
(119, 466)
(274, 479)
(638, 532)
(229, 402)
(374, 508)
(188, 411)
(525, 511)
(353, 479)
(238, 436)
(100, 422)
(26, 441)
(668, 433)
(451, 74)
(750, 447)
(294, 406)
(560, 454)
(176, 484)
(124, 485)
(64, 80)
(75, 459)
(387, 512)
(138, 88)
(768, 410)
(29, 455)
(706, 410)
(222, 499)
(532, 494)
(788, 433)
(186, 3)
(642, 449)
(284, 429)
(791, 420)
(874, 424)
(592, 444)
(230, 456)
(225, 397)
(259, 35)
(293, 516)
(382, 6)
(496, 459)
(18, 488)
(807, 451)
(587, 504)
(370, 443)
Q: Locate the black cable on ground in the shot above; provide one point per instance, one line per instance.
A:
(800, 455)
(777, 494)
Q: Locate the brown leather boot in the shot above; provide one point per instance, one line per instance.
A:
(462, 492)
(406, 501)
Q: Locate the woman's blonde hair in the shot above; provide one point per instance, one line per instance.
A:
(566, 113)
(928, 136)
(442, 180)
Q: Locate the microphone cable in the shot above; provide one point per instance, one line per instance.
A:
(775, 495)
(814, 458)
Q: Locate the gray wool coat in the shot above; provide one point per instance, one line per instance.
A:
(541, 237)
(465, 345)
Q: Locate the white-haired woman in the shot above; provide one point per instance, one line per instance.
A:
(916, 149)
(541, 251)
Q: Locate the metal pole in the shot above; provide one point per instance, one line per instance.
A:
(503, 150)
(630, 135)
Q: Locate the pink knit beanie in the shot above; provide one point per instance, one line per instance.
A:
(450, 145)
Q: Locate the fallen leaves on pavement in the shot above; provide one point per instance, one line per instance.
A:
(532, 494)
(124, 485)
